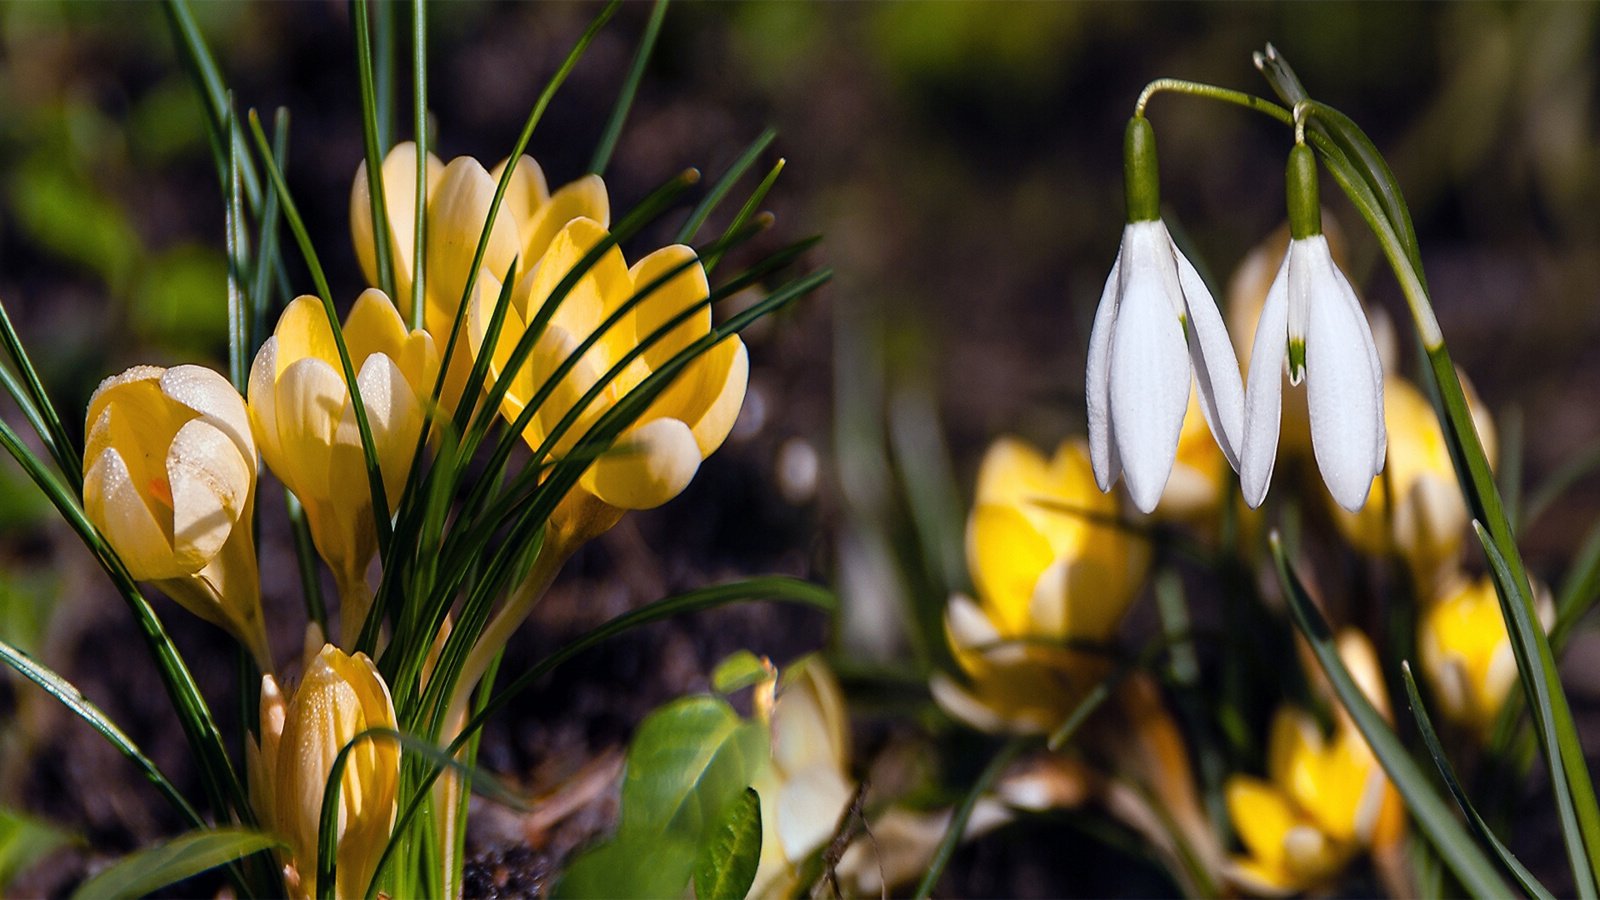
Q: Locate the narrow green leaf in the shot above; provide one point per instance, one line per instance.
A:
(1456, 847)
(739, 670)
(239, 315)
(305, 555)
(630, 86)
(1530, 885)
(380, 502)
(1541, 682)
(1560, 482)
(714, 197)
(268, 257)
(70, 697)
(369, 139)
(419, 111)
(150, 870)
(725, 867)
(67, 456)
(1579, 590)
(962, 813)
(751, 204)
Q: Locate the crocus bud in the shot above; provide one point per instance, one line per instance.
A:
(654, 459)
(339, 697)
(169, 479)
(304, 421)
(806, 787)
(1466, 654)
(398, 176)
(1046, 572)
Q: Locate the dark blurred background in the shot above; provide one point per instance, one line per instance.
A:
(963, 162)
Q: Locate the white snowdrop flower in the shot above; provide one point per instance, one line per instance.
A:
(1157, 330)
(1313, 323)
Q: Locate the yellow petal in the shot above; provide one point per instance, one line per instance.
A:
(373, 326)
(303, 333)
(809, 808)
(211, 486)
(585, 198)
(1012, 471)
(213, 398)
(708, 394)
(309, 401)
(399, 178)
(263, 403)
(688, 289)
(1262, 817)
(601, 289)
(118, 509)
(651, 464)
(456, 217)
(395, 419)
(527, 193)
(809, 727)
(1007, 556)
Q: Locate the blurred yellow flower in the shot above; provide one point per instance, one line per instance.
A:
(806, 788)
(305, 424)
(1048, 570)
(169, 479)
(1466, 654)
(655, 458)
(1416, 508)
(338, 698)
(1324, 799)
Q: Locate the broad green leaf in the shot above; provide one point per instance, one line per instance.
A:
(740, 670)
(24, 841)
(185, 856)
(688, 762)
(729, 854)
(630, 867)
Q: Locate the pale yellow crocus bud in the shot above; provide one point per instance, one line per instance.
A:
(1466, 654)
(1415, 508)
(528, 219)
(169, 479)
(399, 179)
(1049, 568)
(807, 786)
(654, 459)
(339, 697)
(1325, 797)
(305, 424)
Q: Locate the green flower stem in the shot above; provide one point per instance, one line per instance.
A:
(1211, 92)
(381, 233)
(419, 91)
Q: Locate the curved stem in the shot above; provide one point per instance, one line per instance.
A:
(1211, 92)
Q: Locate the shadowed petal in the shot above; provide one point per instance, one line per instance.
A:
(1263, 393)
(1102, 443)
(1216, 369)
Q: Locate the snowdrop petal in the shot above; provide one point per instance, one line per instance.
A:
(1102, 443)
(1344, 389)
(1264, 393)
(1150, 376)
(1216, 369)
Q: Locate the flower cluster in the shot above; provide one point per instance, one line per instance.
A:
(1157, 331)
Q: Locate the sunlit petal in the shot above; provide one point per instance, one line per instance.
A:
(1216, 369)
(1263, 394)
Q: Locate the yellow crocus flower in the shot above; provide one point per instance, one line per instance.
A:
(338, 698)
(657, 456)
(169, 479)
(807, 786)
(1048, 569)
(1324, 799)
(1415, 508)
(1466, 654)
(305, 424)
(398, 175)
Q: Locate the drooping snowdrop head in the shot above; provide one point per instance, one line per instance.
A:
(1156, 332)
(1313, 324)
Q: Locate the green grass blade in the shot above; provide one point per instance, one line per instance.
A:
(1579, 589)
(1560, 482)
(1514, 867)
(369, 140)
(200, 729)
(1569, 773)
(70, 697)
(213, 96)
(269, 259)
(772, 588)
(962, 813)
(630, 87)
(419, 96)
(67, 456)
(1457, 848)
(150, 870)
(305, 555)
(719, 191)
(239, 314)
(380, 502)
(748, 210)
